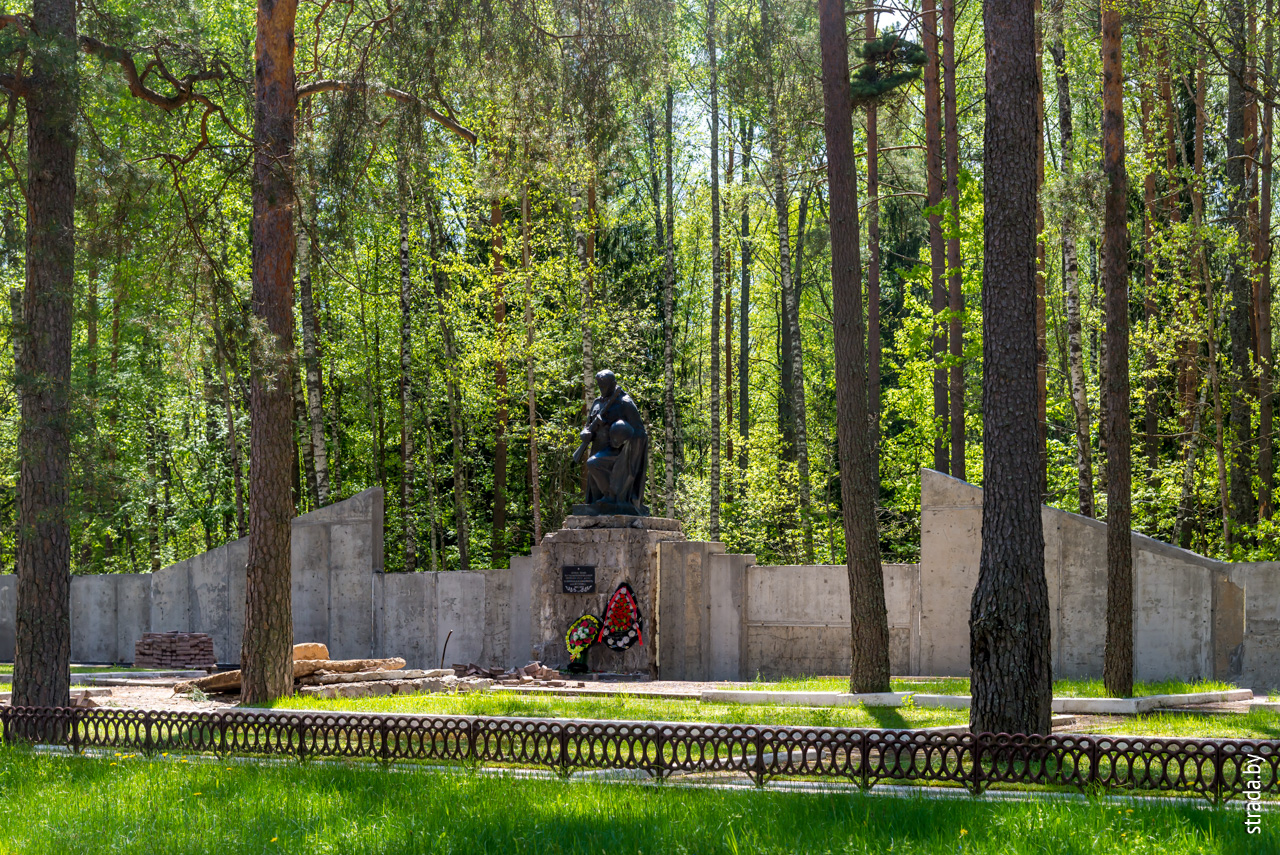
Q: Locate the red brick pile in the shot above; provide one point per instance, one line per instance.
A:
(174, 650)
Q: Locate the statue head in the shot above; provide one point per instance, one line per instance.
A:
(606, 382)
(619, 433)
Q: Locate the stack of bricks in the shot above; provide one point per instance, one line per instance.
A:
(174, 650)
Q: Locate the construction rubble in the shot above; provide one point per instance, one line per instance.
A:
(316, 675)
(533, 673)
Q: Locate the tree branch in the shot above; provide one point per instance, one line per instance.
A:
(373, 87)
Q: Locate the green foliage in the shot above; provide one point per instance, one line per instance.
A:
(889, 62)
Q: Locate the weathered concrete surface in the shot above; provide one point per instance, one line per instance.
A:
(797, 619)
(507, 602)
(460, 611)
(93, 618)
(683, 614)
(8, 612)
(337, 552)
(622, 549)
(1189, 611)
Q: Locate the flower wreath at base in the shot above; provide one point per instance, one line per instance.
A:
(578, 640)
(621, 628)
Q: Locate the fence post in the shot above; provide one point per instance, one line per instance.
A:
(975, 785)
(1217, 774)
(75, 731)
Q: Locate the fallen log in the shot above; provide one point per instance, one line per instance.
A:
(229, 681)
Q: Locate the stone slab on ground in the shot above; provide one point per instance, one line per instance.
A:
(1133, 706)
(367, 676)
(381, 688)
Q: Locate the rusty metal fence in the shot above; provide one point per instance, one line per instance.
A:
(1218, 769)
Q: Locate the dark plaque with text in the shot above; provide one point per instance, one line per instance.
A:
(578, 579)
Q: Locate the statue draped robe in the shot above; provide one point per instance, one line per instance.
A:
(616, 477)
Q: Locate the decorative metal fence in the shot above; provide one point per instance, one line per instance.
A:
(1218, 769)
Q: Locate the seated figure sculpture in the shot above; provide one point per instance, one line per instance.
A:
(615, 451)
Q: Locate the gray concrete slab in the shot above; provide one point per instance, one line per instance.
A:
(93, 618)
(8, 614)
(133, 612)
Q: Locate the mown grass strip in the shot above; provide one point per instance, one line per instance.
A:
(624, 707)
(127, 805)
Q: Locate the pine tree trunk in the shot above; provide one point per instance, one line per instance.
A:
(668, 329)
(1071, 275)
(937, 257)
(1239, 287)
(407, 485)
(1010, 655)
(955, 289)
(1117, 669)
(267, 652)
(1042, 325)
(42, 649)
(498, 548)
(439, 281)
(311, 362)
(716, 284)
(744, 303)
(526, 264)
(857, 438)
(873, 242)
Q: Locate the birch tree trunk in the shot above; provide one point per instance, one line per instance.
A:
(668, 329)
(716, 284)
(407, 484)
(1071, 274)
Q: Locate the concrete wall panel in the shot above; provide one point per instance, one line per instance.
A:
(460, 610)
(171, 597)
(93, 618)
(1260, 655)
(408, 618)
(133, 612)
(351, 589)
(310, 589)
(8, 615)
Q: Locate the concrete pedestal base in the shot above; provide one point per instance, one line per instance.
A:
(621, 549)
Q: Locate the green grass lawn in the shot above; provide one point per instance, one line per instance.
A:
(128, 805)
(1255, 724)
(636, 709)
(960, 686)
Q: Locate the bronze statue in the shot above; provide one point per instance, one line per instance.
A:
(618, 463)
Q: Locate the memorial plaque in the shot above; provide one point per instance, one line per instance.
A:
(578, 578)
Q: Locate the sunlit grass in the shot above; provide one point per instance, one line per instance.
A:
(626, 707)
(960, 686)
(60, 805)
(1255, 724)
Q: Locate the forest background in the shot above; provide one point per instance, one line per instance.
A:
(486, 196)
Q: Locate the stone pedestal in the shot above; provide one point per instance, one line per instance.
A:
(621, 549)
